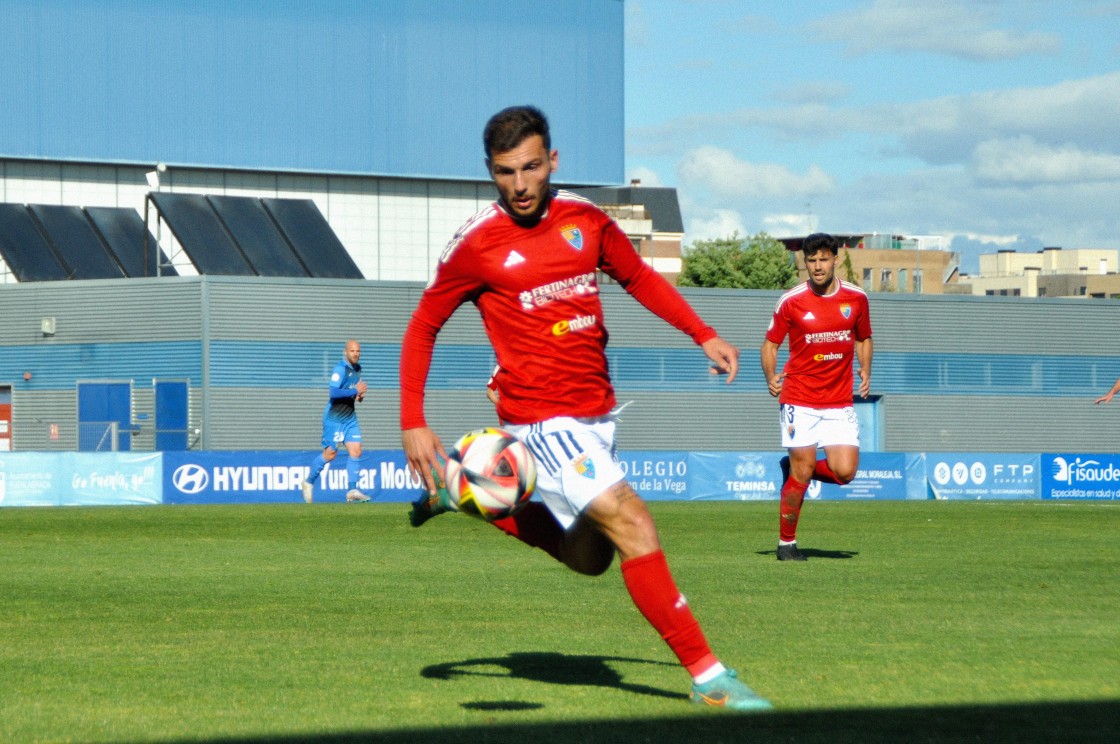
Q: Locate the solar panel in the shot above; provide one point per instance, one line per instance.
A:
(312, 238)
(196, 226)
(260, 240)
(76, 243)
(123, 230)
(25, 249)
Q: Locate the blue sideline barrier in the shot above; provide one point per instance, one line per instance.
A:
(82, 478)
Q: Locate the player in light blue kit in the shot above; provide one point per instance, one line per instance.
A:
(340, 424)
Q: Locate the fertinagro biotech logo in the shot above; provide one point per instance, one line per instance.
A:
(1085, 477)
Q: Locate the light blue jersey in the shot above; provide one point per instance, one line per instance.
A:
(340, 422)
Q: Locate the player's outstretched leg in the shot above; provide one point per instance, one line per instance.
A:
(726, 690)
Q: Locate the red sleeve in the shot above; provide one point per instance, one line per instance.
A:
(863, 324)
(622, 263)
(453, 285)
(779, 325)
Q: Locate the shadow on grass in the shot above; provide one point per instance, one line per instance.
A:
(1083, 722)
(551, 667)
(817, 553)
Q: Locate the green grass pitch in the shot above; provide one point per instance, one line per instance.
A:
(911, 621)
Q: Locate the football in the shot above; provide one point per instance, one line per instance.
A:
(490, 474)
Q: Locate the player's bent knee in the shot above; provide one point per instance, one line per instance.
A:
(587, 551)
(590, 564)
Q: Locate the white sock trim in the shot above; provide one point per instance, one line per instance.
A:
(713, 672)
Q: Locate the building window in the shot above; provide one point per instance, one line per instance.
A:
(1042, 291)
(867, 278)
(917, 281)
(885, 277)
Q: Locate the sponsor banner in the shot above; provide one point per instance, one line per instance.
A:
(735, 476)
(80, 478)
(275, 477)
(1081, 476)
(757, 476)
(979, 475)
(881, 476)
(658, 475)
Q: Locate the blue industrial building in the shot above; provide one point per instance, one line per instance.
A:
(372, 112)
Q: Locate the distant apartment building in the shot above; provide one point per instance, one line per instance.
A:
(1051, 272)
(651, 217)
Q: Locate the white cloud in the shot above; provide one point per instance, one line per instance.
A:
(948, 129)
(711, 224)
(1003, 241)
(784, 225)
(725, 176)
(1082, 113)
(957, 29)
(1024, 160)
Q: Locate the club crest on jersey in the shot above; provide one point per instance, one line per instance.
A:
(585, 466)
(846, 310)
(574, 237)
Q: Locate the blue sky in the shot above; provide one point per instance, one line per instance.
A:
(993, 124)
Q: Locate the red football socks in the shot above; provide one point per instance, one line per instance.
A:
(656, 596)
(534, 525)
(789, 510)
(824, 474)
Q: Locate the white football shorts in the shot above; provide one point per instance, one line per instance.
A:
(818, 427)
(575, 460)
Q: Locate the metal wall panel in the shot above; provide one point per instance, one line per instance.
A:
(1016, 424)
(108, 310)
(396, 87)
(992, 325)
(258, 351)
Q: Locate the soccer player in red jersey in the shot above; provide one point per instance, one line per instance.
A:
(828, 324)
(528, 262)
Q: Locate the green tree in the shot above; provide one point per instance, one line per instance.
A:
(849, 271)
(758, 262)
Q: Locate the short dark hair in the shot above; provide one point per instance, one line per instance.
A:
(820, 242)
(511, 126)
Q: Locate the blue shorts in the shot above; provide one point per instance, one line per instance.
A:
(336, 432)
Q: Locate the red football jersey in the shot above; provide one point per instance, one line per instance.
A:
(822, 334)
(538, 295)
